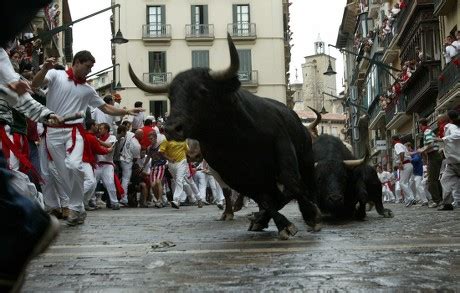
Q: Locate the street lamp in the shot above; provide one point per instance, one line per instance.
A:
(382, 65)
(117, 39)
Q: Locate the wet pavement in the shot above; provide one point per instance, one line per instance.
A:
(146, 250)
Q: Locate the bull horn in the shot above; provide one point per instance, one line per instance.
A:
(312, 126)
(356, 163)
(232, 70)
(159, 89)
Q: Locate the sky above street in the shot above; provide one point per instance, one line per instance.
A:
(308, 19)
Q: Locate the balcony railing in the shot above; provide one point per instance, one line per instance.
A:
(249, 78)
(399, 105)
(157, 78)
(242, 30)
(449, 76)
(422, 86)
(199, 32)
(152, 32)
(405, 15)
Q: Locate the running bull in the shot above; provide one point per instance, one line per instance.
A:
(257, 145)
(345, 184)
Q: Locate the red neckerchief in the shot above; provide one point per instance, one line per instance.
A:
(105, 136)
(72, 77)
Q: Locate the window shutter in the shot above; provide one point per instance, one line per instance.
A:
(205, 14)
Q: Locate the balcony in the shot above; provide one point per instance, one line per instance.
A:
(449, 85)
(157, 78)
(376, 115)
(422, 87)
(404, 23)
(160, 33)
(443, 7)
(391, 50)
(249, 79)
(244, 31)
(396, 113)
(199, 32)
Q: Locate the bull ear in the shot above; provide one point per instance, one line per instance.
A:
(232, 70)
(160, 89)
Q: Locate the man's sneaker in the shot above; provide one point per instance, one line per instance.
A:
(90, 208)
(220, 206)
(56, 212)
(65, 213)
(123, 202)
(446, 207)
(115, 206)
(424, 204)
(175, 204)
(433, 204)
(200, 204)
(76, 218)
(410, 203)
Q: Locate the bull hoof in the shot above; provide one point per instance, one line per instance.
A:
(226, 217)
(388, 213)
(256, 227)
(314, 227)
(283, 235)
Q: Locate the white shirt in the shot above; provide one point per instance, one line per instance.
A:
(65, 98)
(131, 148)
(109, 157)
(456, 44)
(385, 176)
(138, 121)
(451, 51)
(101, 117)
(7, 73)
(400, 148)
(452, 143)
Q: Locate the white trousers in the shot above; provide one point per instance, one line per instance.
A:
(54, 195)
(404, 176)
(70, 173)
(179, 172)
(420, 193)
(127, 170)
(105, 173)
(450, 182)
(89, 183)
(387, 193)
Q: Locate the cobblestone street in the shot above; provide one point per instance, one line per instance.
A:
(189, 250)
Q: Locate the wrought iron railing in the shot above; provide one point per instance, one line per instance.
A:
(248, 77)
(242, 29)
(398, 105)
(424, 78)
(156, 31)
(449, 76)
(199, 31)
(157, 77)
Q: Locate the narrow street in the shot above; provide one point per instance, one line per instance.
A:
(146, 250)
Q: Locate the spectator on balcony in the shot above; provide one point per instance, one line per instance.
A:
(430, 151)
(402, 4)
(395, 10)
(456, 43)
(450, 50)
(418, 56)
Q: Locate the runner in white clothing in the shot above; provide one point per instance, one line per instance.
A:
(69, 93)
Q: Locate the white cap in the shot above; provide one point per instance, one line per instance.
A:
(151, 118)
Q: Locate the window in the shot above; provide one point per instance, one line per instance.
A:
(157, 67)
(156, 21)
(245, 72)
(158, 108)
(241, 20)
(200, 58)
(199, 19)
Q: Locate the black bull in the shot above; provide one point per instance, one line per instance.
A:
(258, 146)
(345, 182)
